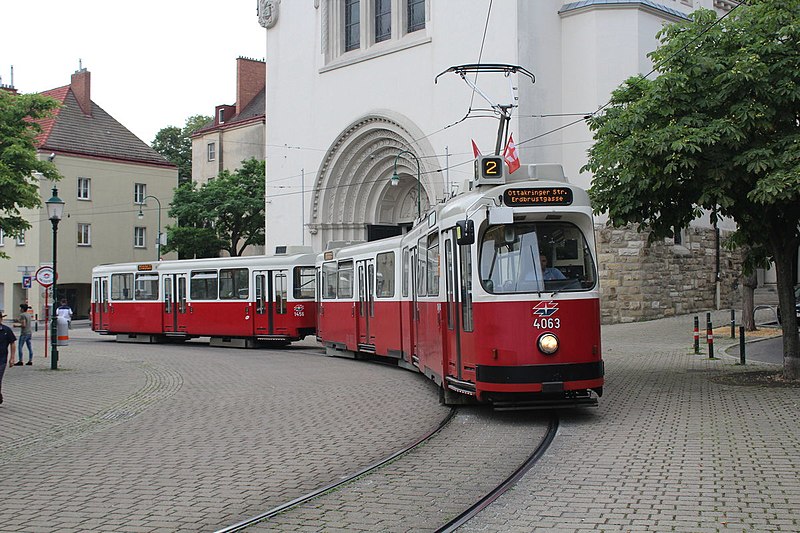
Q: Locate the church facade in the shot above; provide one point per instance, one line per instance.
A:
(358, 91)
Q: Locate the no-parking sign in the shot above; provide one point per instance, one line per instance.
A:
(45, 276)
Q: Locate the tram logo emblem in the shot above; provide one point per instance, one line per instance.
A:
(299, 310)
(545, 309)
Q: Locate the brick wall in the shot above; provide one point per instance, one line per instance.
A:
(642, 282)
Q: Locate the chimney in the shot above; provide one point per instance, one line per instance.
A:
(81, 85)
(251, 78)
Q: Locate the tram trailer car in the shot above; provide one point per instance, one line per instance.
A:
(493, 295)
(236, 301)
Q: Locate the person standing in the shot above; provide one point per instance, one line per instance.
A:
(7, 344)
(65, 311)
(25, 334)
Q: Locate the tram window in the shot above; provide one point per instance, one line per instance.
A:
(448, 281)
(280, 292)
(433, 264)
(203, 285)
(406, 269)
(422, 260)
(146, 287)
(345, 287)
(541, 256)
(371, 288)
(330, 271)
(304, 283)
(122, 286)
(466, 287)
(384, 284)
(234, 284)
(167, 295)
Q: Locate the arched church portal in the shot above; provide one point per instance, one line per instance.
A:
(354, 198)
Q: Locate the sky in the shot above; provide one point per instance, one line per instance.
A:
(153, 63)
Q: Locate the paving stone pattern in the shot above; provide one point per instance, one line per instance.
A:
(430, 485)
(667, 450)
(140, 438)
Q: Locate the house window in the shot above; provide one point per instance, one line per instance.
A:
(221, 116)
(84, 234)
(139, 237)
(212, 151)
(352, 25)
(84, 188)
(416, 15)
(21, 239)
(139, 192)
(383, 20)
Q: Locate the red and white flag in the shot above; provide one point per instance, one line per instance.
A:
(475, 150)
(510, 155)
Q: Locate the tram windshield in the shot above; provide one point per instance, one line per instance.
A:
(535, 257)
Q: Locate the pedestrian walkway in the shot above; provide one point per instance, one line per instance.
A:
(145, 438)
(677, 444)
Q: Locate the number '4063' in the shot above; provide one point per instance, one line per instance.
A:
(547, 323)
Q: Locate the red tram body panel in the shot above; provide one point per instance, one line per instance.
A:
(254, 298)
(493, 295)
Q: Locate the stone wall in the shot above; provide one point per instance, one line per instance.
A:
(643, 282)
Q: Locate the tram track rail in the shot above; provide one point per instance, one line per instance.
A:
(509, 482)
(244, 524)
(370, 477)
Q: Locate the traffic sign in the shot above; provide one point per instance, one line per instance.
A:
(45, 276)
(26, 282)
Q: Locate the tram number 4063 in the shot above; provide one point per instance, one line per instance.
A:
(547, 323)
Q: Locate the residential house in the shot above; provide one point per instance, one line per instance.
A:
(109, 176)
(237, 132)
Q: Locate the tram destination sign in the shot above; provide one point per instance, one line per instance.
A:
(529, 196)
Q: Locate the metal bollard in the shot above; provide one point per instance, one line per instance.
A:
(741, 345)
(733, 324)
(696, 335)
(709, 336)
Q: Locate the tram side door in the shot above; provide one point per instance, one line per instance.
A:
(271, 293)
(366, 299)
(100, 303)
(262, 319)
(452, 321)
(175, 307)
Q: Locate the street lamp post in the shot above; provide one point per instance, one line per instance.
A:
(55, 209)
(395, 180)
(141, 216)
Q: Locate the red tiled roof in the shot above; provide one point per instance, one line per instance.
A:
(47, 124)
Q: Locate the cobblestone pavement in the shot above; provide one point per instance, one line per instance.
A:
(667, 450)
(142, 438)
(139, 438)
(430, 485)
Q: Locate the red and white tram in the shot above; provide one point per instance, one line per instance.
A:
(234, 300)
(493, 295)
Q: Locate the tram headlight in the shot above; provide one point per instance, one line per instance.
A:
(548, 343)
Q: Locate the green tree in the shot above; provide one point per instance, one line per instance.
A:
(226, 213)
(717, 130)
(175, 144)
(19, 186)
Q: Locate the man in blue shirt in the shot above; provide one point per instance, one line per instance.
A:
(7, 344)
(550, 273)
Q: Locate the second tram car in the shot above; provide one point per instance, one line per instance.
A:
(493, 295)
(235, 301)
